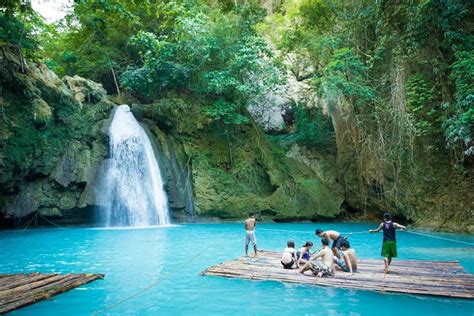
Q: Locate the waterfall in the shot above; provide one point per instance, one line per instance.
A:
(131, 191)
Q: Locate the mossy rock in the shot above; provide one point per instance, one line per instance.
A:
(51, 148)
(257, 179)
(42, 113)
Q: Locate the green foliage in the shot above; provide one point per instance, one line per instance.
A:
(19, 25)
(418, 93)
(359, 53)
(316, 15)
(419, 96)
(441, 34)
(209, 52)
(345, 75)
(92, 40)
(225, 112)
(459, 128)
(313, 129)
(214, 56)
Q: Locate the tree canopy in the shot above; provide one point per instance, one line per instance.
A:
(367, 54)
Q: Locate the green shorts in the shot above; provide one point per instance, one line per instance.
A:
(389, 249)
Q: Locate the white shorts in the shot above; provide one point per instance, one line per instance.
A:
(250, 237)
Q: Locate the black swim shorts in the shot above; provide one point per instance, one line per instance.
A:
(288, 265)
(338, 242)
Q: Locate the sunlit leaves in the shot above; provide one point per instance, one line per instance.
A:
(345, 76)
(213, 55)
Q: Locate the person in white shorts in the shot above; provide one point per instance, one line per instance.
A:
(250, 224)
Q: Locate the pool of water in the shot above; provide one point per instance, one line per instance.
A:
(172, 257)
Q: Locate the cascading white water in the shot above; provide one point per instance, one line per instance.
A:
(131, 192)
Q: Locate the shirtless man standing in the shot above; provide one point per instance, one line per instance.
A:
(348, 263)
(322, 268)
(335, 236)
(250, 224)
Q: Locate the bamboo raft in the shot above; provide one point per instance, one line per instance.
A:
(437, 278)
(19, 290)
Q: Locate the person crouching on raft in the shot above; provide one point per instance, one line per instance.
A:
(303, 253)
(348, 263)
(389, 244)
(325, 266)
(333, 235)
(250, 224)
(289, 255)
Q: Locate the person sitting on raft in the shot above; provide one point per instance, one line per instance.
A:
(323, 267)
(289, 256)
(303, 253)
(389, 244)
(348, 263)
(335, 236)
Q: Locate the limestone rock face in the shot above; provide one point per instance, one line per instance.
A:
(50, 145)
(23, 203)
(270, 112)
(55, 145)
(274, 110)
(430, 191)
(256, 178)
(84, 90)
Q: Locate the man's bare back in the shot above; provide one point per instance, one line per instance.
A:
(350, 254)
(331, 234)
(327, 257)
(322, 268)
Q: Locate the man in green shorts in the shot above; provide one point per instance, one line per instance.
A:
(389, 245)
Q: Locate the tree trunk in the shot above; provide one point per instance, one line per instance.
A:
(228, 145)
(115, 80)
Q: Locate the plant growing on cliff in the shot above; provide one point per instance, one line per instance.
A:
(419, 96)
(227, 114)
(314, 129)
(345, 76)
(459, 127)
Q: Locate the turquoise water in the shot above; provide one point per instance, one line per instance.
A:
(132, 259)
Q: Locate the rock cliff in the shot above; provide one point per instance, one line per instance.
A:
(53, 142)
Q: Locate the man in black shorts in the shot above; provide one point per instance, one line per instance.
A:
(333, 235)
